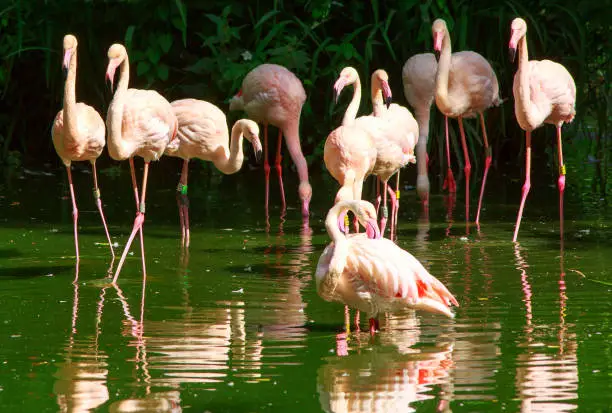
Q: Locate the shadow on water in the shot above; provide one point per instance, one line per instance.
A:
(234, 323)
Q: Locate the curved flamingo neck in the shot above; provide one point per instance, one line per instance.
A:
(378, 103)
(233, 163)
(114, 118)
(443, 73)
(331, 224)
(523, 101)
(124, 75)
(353, 107)
(70, 118)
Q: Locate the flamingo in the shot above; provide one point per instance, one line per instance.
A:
(202, 133)
(466, 86)
(78, 135)
(544, 92)
(139, 123)
(373, 274)
(349, 153)
(419, 78)
(271, 94)
(393, 149)
(403, 129)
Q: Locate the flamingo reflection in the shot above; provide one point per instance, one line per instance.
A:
(546, 382)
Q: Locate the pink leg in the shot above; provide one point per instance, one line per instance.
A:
(561, 181)
(526, 185)
(374, 326)
(341, 345)
(140, 216)
(183, 203)
(98, 199)
(135, 187)
(487, 165)
(394, 206)
(266, 165)
(397, 197)
(279, 168)
(357, 328)
(449, 182)
(75, 213)
(385, 211)
(466, 169)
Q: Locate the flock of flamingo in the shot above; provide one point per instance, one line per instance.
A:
(362, 270)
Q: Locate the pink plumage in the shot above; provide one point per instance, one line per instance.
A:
(544, 92)
(372, 274)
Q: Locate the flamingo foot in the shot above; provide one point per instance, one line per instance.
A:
(449, 182)
(341, 345)
(374, 326)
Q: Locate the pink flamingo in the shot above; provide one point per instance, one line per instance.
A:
(140, 123)
(403, 130)
(544, 92)
(373, 274)
(394, 149)
(271, 94)
(349, 152)
(466, 86)
(78, 135)
(203, 133)
(419, 78)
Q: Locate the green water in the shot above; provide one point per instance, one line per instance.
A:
(235, 324)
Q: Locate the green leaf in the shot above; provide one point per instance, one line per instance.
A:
(129, 34)
(162, 71)
(153, 54)
(142, 67)
(165, 42)
(266, 17)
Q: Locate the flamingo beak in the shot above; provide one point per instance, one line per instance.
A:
(338, 86)
(110, 73)
(372, 230)
(437, 40)
(257, 148)
(341, 225)
(514, 38)
(66, 62)
(386, 91)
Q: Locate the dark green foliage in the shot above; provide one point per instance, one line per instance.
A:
(204, 49)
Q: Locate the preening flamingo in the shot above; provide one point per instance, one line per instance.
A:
(139, 123)
(544, 92)
(271, 94)
(78, 135)
(402, 129)
(466, 86)
(349, 152)
(419, 78)
(202, 133)
(373, 274)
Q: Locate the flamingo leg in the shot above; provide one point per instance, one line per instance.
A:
(137, 199)
(96, 191)
(385, 211)
(449, 182)
(561, 181)
(466, 169)
(279, 167)
(140, 216)
(397, 197)
(75, 213)
(394, 206)
(266, 165)
(183, 203)
(347, 320)
(378, 196)
(526, 185)
(357, 328)
(488, 159)
(374, 326)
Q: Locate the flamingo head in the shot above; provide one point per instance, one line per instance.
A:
(438, 30)
(348, 76)
(70, 45)
(518, 29)
(116, 55)
(366, 214)
(250, 130)
(305, 193)
(382, 78)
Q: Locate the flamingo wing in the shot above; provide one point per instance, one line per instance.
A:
(550, 84)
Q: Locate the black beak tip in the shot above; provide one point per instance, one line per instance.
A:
(388, 101)
(437, 54)
(258, 155)
(65, 72)
(512, 54)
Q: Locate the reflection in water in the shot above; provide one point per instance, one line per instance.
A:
(385, 378)
(547, 373)
(81, 378)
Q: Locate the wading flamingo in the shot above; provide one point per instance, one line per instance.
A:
(78, 135)
(202, 133)
(271, 94)
(349, 152)
(373, 274)
(419, 78)
(139, 123)
(402, 129)
(466, 86)
(393, 150)
(544, 92)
